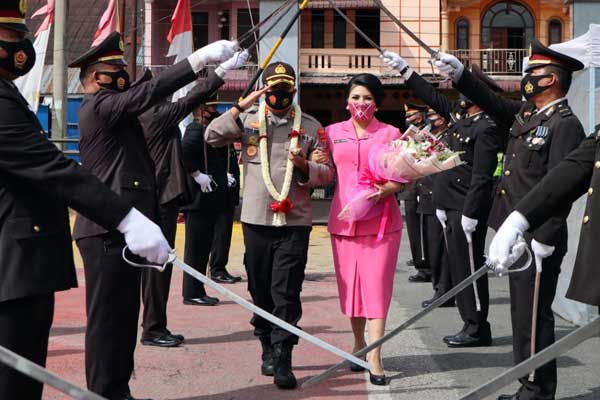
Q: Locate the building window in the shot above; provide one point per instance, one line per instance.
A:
(507, 25)
(554, 31)
(224, 24)
(200, 29)
(339, 31)
(462, 34)
(245, 22)
(368, 21)
(318, 29)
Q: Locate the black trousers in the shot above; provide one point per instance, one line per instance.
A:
(113, 307)
(436, 254)
(413, 227)
(275, 261)
(199, 236)
(24, 329)
(156, 284)
(219, 252)
(460, 269)
(521, 305)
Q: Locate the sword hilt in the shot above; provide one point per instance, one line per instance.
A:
(161, 268)
(495, 267)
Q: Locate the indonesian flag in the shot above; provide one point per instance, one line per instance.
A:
(109, 23)
(30, 84)
(182, 46)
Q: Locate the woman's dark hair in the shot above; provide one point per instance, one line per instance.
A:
(371, 82)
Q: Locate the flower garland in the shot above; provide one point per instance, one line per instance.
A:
(282, 205)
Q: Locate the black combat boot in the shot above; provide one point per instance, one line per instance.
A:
(267, 356)
(282, 366)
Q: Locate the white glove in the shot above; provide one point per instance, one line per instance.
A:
(236, 62)
(144, 237)
(213, 53)
(515, 253)
(442, 217)
(449, 66)
(468, 224)
(542, 250)
(503, 249)
(231, 182)
(393, 60)
(203, 180)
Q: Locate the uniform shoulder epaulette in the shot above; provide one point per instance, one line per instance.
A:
(564, 110)
(489, 120)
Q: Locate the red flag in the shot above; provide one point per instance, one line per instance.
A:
(108, 23)
(181, 20)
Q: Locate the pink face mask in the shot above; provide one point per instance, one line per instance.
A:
(362, 112)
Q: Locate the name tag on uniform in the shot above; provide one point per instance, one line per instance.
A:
(340, 141)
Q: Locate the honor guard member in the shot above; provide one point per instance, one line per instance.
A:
(432, 235)
(415, 115)
(277, 141)
(210, 209)
(577, 174)
(37, 184)
(543, 130)
(163, 138)
(462, 195)
(112, 146)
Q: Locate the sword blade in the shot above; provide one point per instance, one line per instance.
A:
(565, 344)
(356, 28)
(433, 53)
(441, 300)
(472, 265)
(269, 317)
(32, 370)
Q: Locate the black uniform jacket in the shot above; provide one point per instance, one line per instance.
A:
(37, 183)
(215, 164)
(577, 174)
(468, 187)
(537, 142)
(112, 143)
(163, 137)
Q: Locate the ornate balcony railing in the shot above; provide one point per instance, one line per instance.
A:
(494, 61)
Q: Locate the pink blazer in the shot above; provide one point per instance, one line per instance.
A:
(351, 155)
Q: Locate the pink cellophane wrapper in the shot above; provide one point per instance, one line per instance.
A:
(395, 161)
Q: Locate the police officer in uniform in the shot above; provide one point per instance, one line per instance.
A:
(163, 138)
(37, 184)
(112, 146)
(208, 179)
(276, 247)
(577, 174)
(543, 131)
(462, 195)
(415, 115)
(432, 240)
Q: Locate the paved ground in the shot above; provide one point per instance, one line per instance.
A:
(220, 358)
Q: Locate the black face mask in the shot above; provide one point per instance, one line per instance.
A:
(464, 102)
(279, 99)
(212, 115)
(435, 125)
(20, 57)
(119, 80)
(530, 85)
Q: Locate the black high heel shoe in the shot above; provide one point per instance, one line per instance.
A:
(356, 368)
(379, 380)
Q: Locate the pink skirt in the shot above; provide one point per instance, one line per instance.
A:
(364, 269)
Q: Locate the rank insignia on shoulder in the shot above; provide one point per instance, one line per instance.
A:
(565, 111)
(550, 111)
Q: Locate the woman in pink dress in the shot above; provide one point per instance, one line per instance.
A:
(364, 265)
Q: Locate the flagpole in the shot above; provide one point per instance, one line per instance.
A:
(132, 57)
(59, 95)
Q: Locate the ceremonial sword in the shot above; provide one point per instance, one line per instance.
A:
(271, 53)
(268, 30)
(563, 345)
(472, 265)
(42, 375)
(356, 28)
(435, 304)
(173, 259)
(534, 312)
(256, 27)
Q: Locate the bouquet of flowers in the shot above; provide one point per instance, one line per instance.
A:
(415, 155)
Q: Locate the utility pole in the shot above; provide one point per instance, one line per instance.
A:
(121, 6)
(59, 102)
(132, 14)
